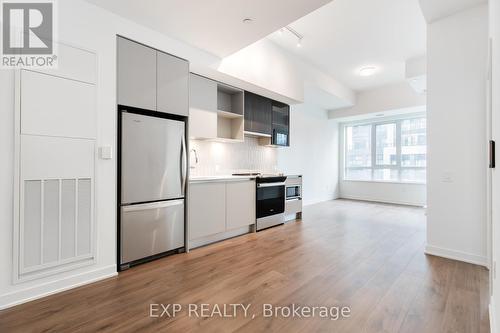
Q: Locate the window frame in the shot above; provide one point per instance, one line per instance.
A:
(374, 166)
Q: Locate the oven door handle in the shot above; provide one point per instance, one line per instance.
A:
(270, 184)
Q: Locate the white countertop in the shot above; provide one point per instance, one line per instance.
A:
(220, 178)
(197, 179)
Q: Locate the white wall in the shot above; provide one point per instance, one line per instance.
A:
(313, 153)
(456, 118)
(391, 97)
(266, 65)
(436, 9)
(403, 194)
(495, 127)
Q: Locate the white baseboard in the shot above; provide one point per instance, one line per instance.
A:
(491, 308)
(457, 255)
(317, 201)
(371, 199)
(53, 287)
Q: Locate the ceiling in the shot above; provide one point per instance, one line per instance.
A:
(345, 35)
(436, 9)
(215, 26)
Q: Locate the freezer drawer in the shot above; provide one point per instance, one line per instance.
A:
(149, 229)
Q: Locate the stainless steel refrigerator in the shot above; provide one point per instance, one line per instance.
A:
(153, 182)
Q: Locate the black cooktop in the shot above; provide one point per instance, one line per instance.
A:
(270, 179)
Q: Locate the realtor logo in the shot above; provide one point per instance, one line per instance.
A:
(28, 34)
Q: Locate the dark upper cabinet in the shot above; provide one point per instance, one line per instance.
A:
(265, 116)
(280, 124)
(258, 114)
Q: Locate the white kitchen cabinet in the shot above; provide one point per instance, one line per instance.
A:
(172, 84)
(202, 107)
(202, 124)
(207, 209)
(220, 209)
(136, 75)
(202, 93)
(240, 204)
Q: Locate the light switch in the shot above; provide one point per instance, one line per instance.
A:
(106, 152)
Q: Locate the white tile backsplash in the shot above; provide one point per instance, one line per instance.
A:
(222, 158)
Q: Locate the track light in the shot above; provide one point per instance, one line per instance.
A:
(293, 32)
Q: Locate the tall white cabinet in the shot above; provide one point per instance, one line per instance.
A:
(152, 80)
(56, 127)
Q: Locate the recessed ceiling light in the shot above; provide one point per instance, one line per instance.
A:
(248, 20)
(368, 71)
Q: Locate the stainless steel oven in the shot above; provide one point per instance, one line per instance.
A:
(270, 210)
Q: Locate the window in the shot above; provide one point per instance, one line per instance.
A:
(358, 152)
(392, 151)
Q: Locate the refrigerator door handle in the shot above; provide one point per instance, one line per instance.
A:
(152, 205)
(183, 165)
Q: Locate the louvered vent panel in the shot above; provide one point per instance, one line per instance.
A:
(57, 222)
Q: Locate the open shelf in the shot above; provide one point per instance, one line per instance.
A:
(229, 99)
(216, 110)
(230, 115)
(230, 120)
(230, 128)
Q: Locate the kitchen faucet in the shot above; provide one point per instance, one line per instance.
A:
(195, 157)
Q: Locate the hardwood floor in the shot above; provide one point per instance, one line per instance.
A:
(366, 256)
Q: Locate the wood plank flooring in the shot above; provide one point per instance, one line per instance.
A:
(366, 256)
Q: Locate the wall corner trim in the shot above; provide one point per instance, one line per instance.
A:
(456, 255)
(46, 289)
(492, 311)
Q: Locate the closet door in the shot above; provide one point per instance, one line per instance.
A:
(56, 126)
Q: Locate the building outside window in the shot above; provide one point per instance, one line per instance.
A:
(393, 151)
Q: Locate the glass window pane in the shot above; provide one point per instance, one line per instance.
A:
(385, 174)
(386, 144)
(400, 158)
(358, 146)
(413, 143)
(358, 174)
(413, 175)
